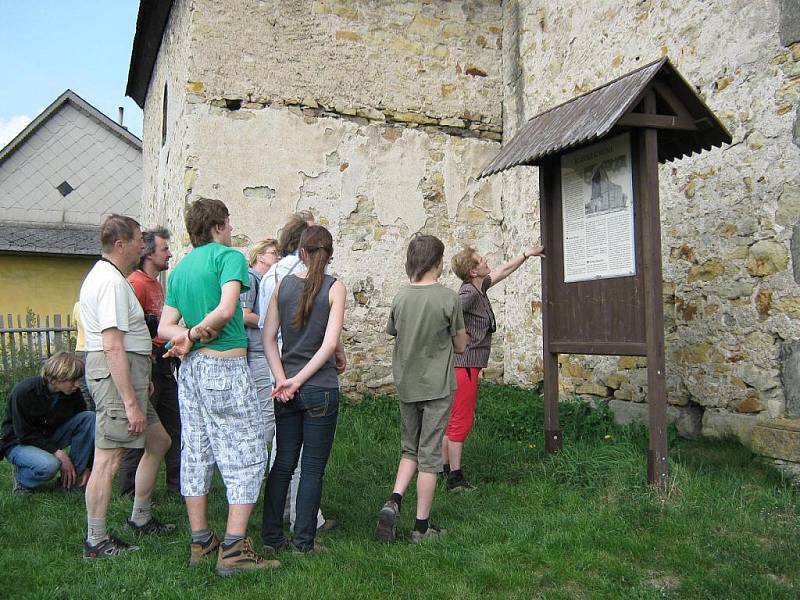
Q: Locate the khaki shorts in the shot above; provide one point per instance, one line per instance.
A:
(422, 427)
(111, 430)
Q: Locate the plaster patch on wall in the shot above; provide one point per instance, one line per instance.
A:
(462, 165)
(275, 151)
(395, 173)
(262, 192)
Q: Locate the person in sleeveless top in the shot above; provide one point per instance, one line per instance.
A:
(308, 308)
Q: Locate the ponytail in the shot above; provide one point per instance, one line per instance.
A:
(317, 245)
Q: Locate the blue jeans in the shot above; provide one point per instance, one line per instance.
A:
(307, 421)
(35, 466)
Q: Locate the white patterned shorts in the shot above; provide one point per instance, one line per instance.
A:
(222, 424)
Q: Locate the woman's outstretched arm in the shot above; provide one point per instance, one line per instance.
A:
(515, 263)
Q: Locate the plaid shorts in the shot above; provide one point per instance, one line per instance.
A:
(222, 424)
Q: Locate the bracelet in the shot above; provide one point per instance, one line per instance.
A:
(189, 335)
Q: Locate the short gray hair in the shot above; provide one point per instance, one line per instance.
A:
(149, 239)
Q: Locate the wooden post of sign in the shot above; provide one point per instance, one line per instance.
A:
(549, 186)
(647, 169)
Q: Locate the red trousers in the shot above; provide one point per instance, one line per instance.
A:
(462, 415)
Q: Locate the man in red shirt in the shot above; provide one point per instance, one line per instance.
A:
(150, 293)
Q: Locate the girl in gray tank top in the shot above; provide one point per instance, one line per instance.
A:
(300, 344)
(309, 310)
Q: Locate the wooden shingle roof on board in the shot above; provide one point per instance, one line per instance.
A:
(686, 125)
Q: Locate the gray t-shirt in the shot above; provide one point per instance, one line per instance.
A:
(249, 299)
(424, 319)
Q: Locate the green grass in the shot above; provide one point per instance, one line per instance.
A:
(582, 524)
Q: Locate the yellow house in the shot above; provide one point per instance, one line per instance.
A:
(59, 178)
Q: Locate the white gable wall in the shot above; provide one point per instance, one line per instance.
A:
(104, 169)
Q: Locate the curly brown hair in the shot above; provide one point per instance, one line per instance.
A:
(201, 218)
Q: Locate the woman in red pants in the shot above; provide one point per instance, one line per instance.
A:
(480, 324)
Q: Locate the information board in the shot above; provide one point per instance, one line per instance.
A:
(597, 211)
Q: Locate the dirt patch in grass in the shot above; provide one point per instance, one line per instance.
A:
(663, 583)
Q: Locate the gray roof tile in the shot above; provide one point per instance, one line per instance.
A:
(49, 239)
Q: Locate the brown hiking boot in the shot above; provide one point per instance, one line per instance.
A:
(389, 515)
(240, 556)
(199, 551)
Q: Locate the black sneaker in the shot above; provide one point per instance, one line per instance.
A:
(457, 483)
(316, 548)
(270, 549)
(386, 529)
(108, 548)
(153, 526)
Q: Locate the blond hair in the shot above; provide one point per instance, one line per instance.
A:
(463, 262)
(259, 248)
(62, 366)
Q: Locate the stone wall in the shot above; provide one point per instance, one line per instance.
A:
(375, 116)
(165, 153)
(728, 216)
(440, 60)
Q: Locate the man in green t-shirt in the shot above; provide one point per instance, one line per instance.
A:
(221, 418)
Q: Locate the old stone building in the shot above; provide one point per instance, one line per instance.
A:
(378, 116)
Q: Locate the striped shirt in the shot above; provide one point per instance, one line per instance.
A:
(479, 322)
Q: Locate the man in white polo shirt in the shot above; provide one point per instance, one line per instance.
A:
(118, 365)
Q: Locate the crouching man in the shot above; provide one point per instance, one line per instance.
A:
(44, 416)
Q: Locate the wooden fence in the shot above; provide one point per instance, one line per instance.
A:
(33, 338)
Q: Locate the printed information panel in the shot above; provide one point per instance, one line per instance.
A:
(597, 211)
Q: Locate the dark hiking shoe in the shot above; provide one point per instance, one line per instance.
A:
(328, 525)
(389, 515)
(108, 548)
(239, 557)
(17, 489)
(75, 490)
(459, 484)
(317, 548)
(433, 533)
(199, 551)
(270, 549)
(152, 527)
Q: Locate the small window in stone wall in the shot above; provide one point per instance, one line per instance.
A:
(164, 118)
(64, 188)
